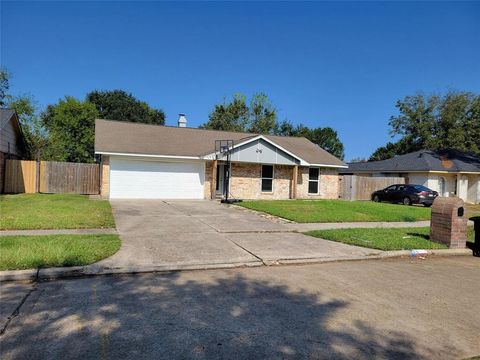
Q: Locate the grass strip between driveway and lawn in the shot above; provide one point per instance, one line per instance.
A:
(41, 251)
(314, 211)
(54, 211)
(384, 238)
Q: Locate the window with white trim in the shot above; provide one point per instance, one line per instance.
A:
(267, 178)
(313, 180)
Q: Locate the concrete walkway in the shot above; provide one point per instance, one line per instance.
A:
(58, 232)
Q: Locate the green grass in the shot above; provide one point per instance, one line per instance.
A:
(312, 211)
(30, 252)
(472, 210)
(384, 238)
(53, 211)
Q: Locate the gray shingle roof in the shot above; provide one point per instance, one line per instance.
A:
(423, 160)
(136, 138)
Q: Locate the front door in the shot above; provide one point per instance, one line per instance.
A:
(220, 179)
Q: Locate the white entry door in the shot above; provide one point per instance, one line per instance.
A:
(145, 179)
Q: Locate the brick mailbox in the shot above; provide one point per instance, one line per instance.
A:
(449, 225)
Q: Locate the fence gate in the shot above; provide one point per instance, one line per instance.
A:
(65, 177)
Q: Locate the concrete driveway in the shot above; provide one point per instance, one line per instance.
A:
(193, 234)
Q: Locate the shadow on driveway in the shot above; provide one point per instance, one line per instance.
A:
(178, 317)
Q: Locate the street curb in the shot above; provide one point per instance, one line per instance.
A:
(95, 270)
(435, 252)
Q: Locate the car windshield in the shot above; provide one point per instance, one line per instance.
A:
(421, 188)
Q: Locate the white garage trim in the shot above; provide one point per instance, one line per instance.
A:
(156, 179)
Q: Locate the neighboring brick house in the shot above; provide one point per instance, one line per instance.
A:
(164, 162)
(12, 142)
(450, 172)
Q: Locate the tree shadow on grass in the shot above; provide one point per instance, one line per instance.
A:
(170, 317)
(423, 236)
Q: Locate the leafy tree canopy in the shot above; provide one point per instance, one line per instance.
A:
(326, 137)
(4, 86)
(36, 137)
(120, 105)
(259, 116)
(232, 116)
(434, 122)
(71, 128)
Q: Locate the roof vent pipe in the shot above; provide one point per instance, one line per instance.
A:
(182, 120)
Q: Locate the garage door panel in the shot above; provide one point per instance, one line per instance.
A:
(137, 179)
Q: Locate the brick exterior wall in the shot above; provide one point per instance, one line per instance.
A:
(446, 227)
(328, 184)
(208, 180)
(246, 182)
(105, 174)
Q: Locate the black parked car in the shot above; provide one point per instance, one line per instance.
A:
(406, 194)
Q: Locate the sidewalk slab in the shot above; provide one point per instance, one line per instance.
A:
(293, 246)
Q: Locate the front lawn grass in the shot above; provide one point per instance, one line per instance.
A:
(30, 252)
(53, 211)
(472, 210)
(384, 238)
(313, 211)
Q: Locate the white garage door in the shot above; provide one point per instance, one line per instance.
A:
(142, 179)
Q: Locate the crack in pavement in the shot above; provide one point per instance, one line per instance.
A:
(16, 312)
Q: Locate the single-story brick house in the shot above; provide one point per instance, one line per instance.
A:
(12, 141)
(141, 161)
(450, 172)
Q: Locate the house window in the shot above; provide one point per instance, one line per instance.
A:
(313, 176)
(267, 178)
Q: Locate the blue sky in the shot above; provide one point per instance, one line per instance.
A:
(337, 64)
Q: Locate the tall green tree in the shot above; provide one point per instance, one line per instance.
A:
(263, 115)
(434, 122)
(35, 135)
(259, 116)
(122, 106)
(229, 116)
(326, 137)
(71, 127)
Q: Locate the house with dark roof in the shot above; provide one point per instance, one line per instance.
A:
(450, 172)
(12, 141)
(166, 162)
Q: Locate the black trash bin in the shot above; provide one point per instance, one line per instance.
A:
(476, 246)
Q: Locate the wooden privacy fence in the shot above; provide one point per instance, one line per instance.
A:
(353, 187)
(21, 176)
(74, 178)
(51, 177)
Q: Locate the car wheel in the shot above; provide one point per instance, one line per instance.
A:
(427, 205)
(407, 201)
(376, 198)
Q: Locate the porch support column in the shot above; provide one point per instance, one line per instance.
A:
(294, 181)
(213, 183)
